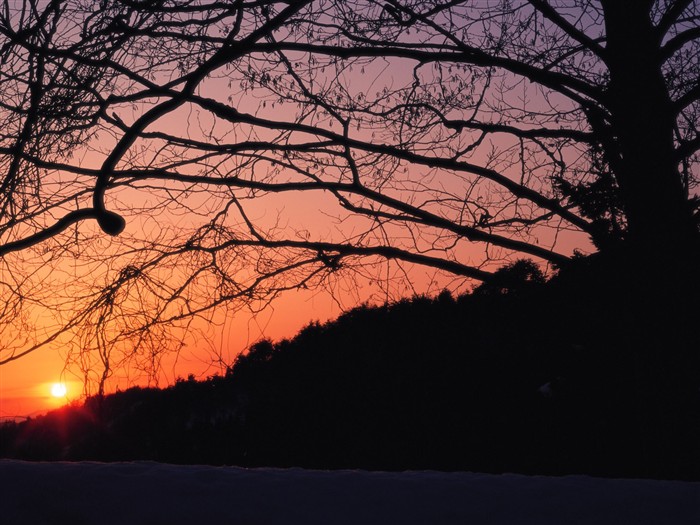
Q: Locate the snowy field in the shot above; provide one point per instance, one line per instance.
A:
(154, 493)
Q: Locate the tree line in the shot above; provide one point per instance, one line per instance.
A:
(478, 382)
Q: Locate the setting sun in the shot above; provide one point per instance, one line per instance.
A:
(58, 390)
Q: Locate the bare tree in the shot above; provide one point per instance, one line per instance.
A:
(208, 138)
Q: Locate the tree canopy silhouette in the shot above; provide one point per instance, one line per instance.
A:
(204, 136)
(467, 383)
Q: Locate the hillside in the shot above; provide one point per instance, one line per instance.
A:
(514, 377)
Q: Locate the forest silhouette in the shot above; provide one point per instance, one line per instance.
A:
(516, 376)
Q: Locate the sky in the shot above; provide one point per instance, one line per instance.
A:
(25, 384)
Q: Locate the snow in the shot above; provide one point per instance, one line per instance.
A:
(155, 493)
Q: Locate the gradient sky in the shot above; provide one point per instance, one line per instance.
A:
(25, 384)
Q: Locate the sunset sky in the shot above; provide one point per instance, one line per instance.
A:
(209, 176)
(25, 384)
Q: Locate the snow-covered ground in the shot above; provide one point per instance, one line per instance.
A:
(154, 493)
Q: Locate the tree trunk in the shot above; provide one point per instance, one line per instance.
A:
(660, 224)
(656, 273)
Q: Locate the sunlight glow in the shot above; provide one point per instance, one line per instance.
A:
(58, 390)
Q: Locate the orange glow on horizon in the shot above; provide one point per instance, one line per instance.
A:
(26, 384)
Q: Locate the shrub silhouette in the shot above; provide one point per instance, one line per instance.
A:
(512, 278)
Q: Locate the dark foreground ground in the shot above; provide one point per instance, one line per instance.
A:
(154, 493)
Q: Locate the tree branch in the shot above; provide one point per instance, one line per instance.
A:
(553, 16)
(48, 232)
(516, 189)
(669, 18)
(678, 41)
(565, 84)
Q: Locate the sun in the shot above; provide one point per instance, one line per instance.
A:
(58, 390)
